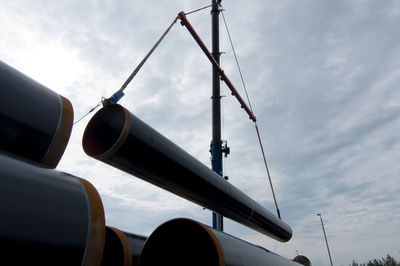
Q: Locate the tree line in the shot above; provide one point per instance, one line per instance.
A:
(388, 261)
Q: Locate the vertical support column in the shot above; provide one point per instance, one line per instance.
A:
(216, 143)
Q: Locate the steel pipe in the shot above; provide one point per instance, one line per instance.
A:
(36, 122)
(122, 248)
(48, 217)
(120, 139)
(303, 260)
(136, 243)
(187, 242)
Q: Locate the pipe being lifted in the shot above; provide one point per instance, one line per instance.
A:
(120, 139)
(36, 122)
(186, 242)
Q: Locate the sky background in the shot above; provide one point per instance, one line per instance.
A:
(323, 78)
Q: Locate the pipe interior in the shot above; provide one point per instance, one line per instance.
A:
(179, 242)
(103, 130)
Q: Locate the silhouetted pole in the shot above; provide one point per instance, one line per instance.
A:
(326, 240)
(216, 142)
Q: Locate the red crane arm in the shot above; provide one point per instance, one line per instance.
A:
(203, 47)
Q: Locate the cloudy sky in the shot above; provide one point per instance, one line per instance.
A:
(323, 78)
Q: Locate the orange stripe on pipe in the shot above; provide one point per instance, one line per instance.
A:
(125, 246)
(97, 235)
(218, 247)
(122, 116)
(62, 136)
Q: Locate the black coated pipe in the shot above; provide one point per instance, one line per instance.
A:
(303, 260)
(48, 217)
(136, 243)
(120, 139)
(187, 242)
(36, 122)
(122, 248)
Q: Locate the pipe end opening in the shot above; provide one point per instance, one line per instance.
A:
(180, 242)
(104, 130)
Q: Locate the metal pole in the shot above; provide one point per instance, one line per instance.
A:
(326, 240)
(216, 143)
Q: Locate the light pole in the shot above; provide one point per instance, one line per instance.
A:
(326, 240)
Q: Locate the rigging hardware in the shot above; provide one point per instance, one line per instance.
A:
(225, 149)
(255, 122)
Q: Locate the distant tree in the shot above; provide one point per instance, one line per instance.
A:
(388, 261)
